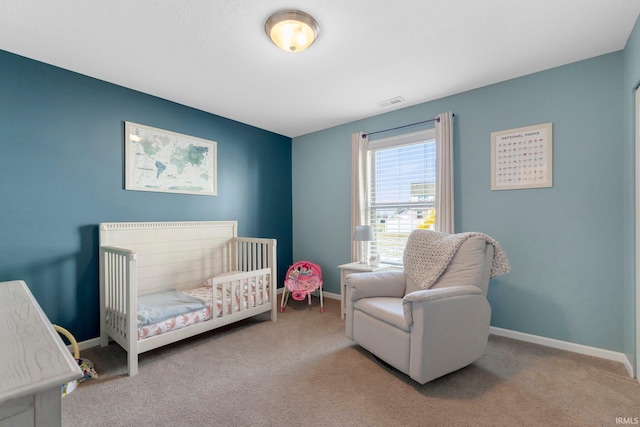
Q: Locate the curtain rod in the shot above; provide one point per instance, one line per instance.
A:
(437, 119)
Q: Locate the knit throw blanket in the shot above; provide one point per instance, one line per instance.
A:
(428, 253)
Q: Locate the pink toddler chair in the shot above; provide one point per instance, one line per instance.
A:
(302, 279)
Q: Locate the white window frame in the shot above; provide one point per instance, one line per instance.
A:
(387, 143)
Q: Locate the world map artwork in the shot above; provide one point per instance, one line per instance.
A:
(160, 160)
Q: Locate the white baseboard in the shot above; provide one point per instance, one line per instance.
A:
(565, 345)
(331, 295)
(85, 345)
(93, 342)
(325, 294)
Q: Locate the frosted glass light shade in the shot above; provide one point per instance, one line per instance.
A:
(292, 30)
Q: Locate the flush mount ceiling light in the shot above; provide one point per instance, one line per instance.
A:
(292, 30)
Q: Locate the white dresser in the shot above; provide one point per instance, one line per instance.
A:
(34, 362)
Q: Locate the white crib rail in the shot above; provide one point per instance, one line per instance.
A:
(233, 290)
(252, 253)
(249, 253)
(118, 296)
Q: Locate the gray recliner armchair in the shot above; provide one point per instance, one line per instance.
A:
(431, 318)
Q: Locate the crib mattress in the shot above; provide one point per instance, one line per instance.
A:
(204, 314)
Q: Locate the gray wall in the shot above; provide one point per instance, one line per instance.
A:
(630, 83)
(565, 243)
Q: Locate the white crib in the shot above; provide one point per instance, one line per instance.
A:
(141, 258)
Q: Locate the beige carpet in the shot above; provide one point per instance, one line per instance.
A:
(302, 371)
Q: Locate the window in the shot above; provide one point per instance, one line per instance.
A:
(402, 185)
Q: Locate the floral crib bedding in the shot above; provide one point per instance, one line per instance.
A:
(245, 294)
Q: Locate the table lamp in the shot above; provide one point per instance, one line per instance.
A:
(364, 234)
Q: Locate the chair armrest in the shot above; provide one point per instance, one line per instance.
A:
(439, 293)
(449, 329)
(389, 283)
(430, 295)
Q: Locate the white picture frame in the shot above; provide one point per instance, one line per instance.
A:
(522, 158)
(169, 162)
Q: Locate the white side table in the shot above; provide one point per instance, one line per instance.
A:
(354, 267)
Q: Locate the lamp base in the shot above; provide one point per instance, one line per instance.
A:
(364, 259)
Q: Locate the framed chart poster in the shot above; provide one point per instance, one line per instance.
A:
(522, 157)
(169, 162)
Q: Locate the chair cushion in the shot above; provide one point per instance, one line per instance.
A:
(387, 309)
(466, 267)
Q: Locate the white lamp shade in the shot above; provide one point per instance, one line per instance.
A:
(363, 233)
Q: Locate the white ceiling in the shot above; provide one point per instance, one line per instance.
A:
(213, 55)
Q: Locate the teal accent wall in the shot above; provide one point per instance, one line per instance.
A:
(630, 83)
(61, 163)
(565, 243)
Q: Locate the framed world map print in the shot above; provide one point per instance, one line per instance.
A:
(522, 158)
(169, 162)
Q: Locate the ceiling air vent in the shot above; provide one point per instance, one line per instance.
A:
(392, 101)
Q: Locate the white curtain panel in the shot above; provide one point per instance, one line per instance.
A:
(444, 173)
(359, 148)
